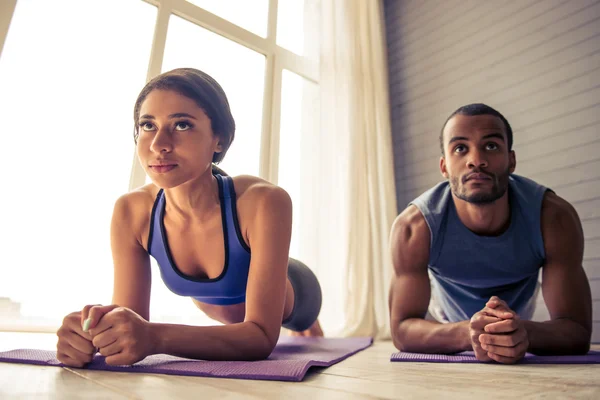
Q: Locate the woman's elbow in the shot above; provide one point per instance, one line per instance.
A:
(263, 345)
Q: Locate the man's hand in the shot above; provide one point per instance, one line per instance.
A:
(477, 325)
(505, 341)
(121, 335)
(497, 303)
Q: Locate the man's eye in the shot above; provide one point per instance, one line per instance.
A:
(459, 149)
(491, 146)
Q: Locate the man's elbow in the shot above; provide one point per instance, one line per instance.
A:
(583, 345)
(401, 340)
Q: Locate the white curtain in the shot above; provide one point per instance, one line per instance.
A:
(351, 180)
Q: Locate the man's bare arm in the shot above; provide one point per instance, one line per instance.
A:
(565, 286)
(410, 292)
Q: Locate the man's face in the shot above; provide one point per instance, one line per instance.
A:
(476, 158)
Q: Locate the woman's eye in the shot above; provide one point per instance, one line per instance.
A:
(146, 126)
(182, 126)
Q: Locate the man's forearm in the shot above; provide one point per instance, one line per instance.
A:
(559, 336)
(421, 336)
(242, 341)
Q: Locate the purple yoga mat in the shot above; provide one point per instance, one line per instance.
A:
(593, 357)
(290, 360)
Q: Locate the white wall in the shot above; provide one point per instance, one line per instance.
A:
(535, 61)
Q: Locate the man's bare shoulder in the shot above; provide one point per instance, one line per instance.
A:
(409, 240)
(561, 226)
(410, 224)
(555, 208)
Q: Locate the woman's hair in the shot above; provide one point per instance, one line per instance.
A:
(205, 91)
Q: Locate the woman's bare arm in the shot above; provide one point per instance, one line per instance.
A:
(269, 234)
(132, 275)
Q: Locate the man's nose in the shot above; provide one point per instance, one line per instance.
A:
(477, 160)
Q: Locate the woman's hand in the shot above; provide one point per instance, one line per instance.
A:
(74, 347)
(120, 334)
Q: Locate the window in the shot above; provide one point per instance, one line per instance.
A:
(299, 16)
(193, 46)
(250, 15)
(67, 131)
(299, 120)
(68, 89)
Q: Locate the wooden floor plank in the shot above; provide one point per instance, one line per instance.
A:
(181, 387)
(368, 374)
(33, 381)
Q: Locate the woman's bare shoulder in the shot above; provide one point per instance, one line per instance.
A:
(133, 209)
(252, 189)
(137, 198)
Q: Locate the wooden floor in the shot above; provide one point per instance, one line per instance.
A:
(366, 375)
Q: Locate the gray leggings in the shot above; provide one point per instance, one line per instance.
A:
(307, 297)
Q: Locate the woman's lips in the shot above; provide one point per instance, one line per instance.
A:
(161, 169)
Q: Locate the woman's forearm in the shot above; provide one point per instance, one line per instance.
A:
(244, 341)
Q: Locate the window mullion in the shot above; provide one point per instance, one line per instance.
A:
(220, 26)
(272, 23)
(138, 175)
(273, 154)
(7, 9)
(272, 96)
(299, 65)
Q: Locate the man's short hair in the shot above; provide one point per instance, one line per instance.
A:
(478, 109)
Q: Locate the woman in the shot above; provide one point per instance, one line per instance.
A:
(222, 241)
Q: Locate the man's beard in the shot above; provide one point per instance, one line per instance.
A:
(499, 187)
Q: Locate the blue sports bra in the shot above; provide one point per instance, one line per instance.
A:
(227, 288)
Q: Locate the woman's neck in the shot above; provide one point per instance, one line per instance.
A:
(193, 200)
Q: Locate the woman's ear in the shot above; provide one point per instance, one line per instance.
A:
(218, 146)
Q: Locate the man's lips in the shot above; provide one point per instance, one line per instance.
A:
(478, 176)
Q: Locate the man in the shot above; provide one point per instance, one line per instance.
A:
(470, 249)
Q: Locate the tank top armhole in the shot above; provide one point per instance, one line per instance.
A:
(234, 215)
(541, 194)
(151, 230)
(431, 225)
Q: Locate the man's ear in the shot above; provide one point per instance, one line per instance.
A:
(443, 168)
(512, 161)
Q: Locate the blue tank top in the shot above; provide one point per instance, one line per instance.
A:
(229, 287)
(467, 269)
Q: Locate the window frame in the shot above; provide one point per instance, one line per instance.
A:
(277, 59)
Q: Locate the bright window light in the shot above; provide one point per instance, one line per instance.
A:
(68, 86)
(250, 15)
(297, 138)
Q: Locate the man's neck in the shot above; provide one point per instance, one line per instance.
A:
(491, 219)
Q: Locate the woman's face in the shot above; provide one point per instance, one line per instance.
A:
(176, 142)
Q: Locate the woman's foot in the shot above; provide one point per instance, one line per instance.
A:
(314, 330)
